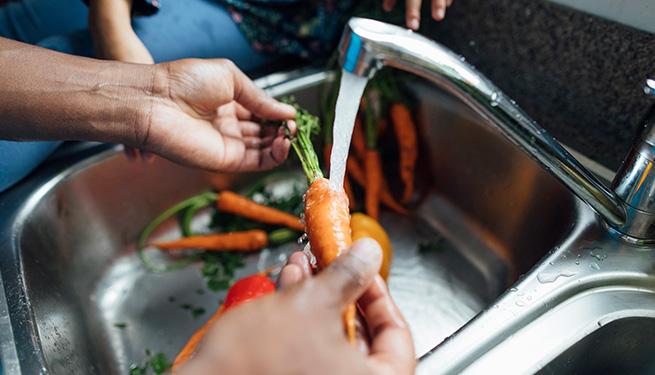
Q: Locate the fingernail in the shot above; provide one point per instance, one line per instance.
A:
(413, 24)
(368, 251)
(441, 13)
(286, 107)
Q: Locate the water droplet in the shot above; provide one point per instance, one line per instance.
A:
(462, 58)
(495, 97)
(594, 266)
(520, 303)
(529, 298)
(598, 254)
(550, 276)
(513, 290)
(577, 262)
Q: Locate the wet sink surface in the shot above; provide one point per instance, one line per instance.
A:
(73, 274)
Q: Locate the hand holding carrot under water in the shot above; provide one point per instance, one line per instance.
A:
(299, 328)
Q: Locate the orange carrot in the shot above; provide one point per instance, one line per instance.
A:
(239, 205)
(249, 240)
(357, 173)
(373, 170)
(327, 218)
(406, 133)
(327, 222)
(191, 345)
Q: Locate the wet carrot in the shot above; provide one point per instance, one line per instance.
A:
(249, 240)
(190, 347)
(327, 217)
(403, 125)
(239, 205)
(373, 170)
(357, 173)
(327, 222)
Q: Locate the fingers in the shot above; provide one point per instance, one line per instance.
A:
(296, 270)
(350, 275)
(439, 9)
(256, 100)
(391, 341)
(413, 14)
(291, 275)
(300, 259)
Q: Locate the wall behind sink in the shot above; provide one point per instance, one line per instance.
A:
(578, 75)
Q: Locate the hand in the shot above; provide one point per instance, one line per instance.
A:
(299, 329)
(413, 10)
(204, 118)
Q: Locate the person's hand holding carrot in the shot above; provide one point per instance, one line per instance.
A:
(300, 329)
(413, 10)
(206, 118)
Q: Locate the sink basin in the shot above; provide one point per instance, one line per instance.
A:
(78, 299)
(616, 348)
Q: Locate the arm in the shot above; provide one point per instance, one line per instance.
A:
(113, 36)
(167, 108)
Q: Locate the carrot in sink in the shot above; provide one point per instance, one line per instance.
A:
(249, 240)
(239, 205)
(356, 171)
(407, 142)
(327, 217)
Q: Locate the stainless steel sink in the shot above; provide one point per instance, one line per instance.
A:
(69, 271)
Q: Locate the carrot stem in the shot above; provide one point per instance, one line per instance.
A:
(167, 214)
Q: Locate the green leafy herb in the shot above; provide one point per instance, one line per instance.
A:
(120, 325)
(186, 306)
(158, 363)
(308, 125)
(219, 269)
(197, 312)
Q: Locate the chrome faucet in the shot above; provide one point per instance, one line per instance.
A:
(628, 208)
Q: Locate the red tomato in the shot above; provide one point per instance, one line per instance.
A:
(248, 288)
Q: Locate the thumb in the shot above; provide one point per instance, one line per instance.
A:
(257, 101)
(345, 280)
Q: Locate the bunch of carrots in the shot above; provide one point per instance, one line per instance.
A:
(380, 106)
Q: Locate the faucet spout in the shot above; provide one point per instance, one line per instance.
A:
(368, 45)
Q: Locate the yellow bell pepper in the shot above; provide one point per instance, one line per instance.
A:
(365, 226)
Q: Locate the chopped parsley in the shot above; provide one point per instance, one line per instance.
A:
(157, 363)
(120, 325)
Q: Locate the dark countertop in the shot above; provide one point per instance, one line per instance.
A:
(579, 76)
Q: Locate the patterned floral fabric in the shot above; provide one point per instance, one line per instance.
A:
(304, 28)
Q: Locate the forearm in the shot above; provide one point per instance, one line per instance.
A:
(46, 95)
(113, 36)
